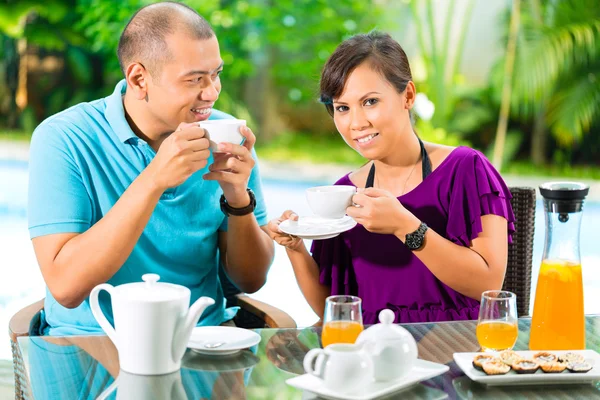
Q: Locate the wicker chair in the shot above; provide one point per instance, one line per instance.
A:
(520, 252)
(252, 314)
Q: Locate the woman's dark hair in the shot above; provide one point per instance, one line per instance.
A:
(385, 55)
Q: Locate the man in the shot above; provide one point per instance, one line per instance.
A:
(126, 185)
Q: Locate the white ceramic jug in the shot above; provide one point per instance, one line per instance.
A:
(343, 368)
(153, 323)
(392, 348)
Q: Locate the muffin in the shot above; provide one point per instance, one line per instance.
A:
(545, 357)
(495, 368)
(571, 358)
(509, 357)
(553, 367)
(579, 367)
(525, 366)
(482, 358)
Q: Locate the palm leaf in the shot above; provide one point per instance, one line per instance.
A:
(572, 110)
(547, 56)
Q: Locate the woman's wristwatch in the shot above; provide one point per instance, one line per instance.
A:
(238, 212)
(416, 240)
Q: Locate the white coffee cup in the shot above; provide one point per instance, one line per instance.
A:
(343, 368)
(330, 201)
(223, 131)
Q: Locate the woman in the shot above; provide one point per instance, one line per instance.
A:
(434, 222)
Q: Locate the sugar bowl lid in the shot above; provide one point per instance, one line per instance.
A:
(386, 330)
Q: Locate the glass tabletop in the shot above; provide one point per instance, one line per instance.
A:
(86, 367)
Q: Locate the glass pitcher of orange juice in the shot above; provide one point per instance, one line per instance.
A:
(558, 321)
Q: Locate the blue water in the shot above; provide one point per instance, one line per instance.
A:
(22, 284)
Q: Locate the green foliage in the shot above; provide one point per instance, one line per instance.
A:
(429, 133)
(253, 35)
(14, 135)
(558, 66)
(441, 59)
(314, 148)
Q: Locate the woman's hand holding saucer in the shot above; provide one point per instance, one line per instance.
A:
(289, 241)
(380, 212)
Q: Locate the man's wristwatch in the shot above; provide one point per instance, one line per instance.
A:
(415, 240)
(238, 212)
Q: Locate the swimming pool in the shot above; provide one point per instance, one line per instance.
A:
(21, 282)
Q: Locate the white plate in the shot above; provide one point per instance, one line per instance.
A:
(422, 371)
(235, 339)
(465, 362)
(315, 228)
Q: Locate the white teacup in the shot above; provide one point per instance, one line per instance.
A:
(330, 201)
(223, 131)
(344, 368)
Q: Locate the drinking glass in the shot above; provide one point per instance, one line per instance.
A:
(497, 327)
(342, 320)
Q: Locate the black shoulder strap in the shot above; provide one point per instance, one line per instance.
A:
(426, 166)
(371, 177)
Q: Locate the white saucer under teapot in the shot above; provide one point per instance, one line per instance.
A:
(392, 348)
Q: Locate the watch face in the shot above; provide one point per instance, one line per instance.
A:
(414, 241)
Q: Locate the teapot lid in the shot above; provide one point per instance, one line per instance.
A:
(152, 291)
(385, 330)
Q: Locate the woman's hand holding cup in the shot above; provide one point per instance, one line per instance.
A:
(290, 242)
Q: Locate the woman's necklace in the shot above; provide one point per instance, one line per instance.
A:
(405, 182)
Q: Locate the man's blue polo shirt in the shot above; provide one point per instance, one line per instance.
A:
(81, 161)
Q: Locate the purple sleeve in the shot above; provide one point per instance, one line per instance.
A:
(477, 190)
(335, 264)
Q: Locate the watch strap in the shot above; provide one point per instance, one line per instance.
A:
(238, 212)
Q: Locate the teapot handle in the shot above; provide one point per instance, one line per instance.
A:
(318, 358)
(97, 311)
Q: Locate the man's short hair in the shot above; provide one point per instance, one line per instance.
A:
(143, 39)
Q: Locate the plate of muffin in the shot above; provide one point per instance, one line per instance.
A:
(530, 367)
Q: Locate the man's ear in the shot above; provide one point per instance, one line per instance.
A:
(137, 79)
(411, 93)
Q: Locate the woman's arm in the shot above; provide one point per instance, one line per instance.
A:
(468, 270)
(307, 275)
(305, 267)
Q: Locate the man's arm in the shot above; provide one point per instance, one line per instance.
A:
(72, 264)
(246, 253)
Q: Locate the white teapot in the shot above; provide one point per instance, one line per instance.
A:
(153, 323)
(392, 348)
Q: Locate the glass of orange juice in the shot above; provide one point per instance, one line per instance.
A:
(497, 327)
(342, 320)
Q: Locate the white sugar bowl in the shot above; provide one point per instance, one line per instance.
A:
(392, 348)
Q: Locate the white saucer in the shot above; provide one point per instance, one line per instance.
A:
(239, 362)
(235, 339)
(422, 371)
(316, 228)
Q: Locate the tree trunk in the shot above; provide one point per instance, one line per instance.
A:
(262, 99)
(539, 138)
(507, 86)
(11, 60)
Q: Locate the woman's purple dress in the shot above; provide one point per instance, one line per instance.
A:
(382, 271)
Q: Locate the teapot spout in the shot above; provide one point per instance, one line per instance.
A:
(186, 324)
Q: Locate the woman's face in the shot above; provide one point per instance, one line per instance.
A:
(371, 115)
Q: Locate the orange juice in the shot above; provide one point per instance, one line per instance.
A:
(558, 321)
(497, 335)
(340, 332)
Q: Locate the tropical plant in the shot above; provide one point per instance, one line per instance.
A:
(557, 71)
(441, 56)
